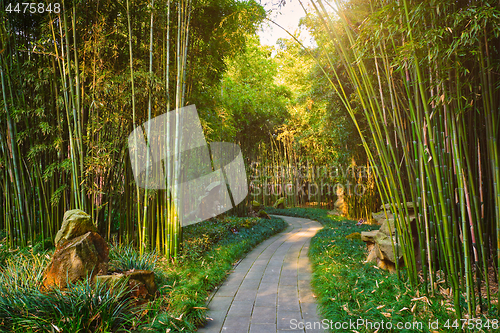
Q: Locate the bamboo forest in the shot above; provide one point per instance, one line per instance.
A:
(166, 168)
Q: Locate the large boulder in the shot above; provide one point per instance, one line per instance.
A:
(409, 206)
(335, 212)
(384, 245)
(369, 236)
(388, 227)
(263, 214)
(339, 203)
(81, 257)
(75, 223)
(387, 265)
(380, 242)
(381, 216)
(372, 254)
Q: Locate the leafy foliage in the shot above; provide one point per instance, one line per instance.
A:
(250, 94)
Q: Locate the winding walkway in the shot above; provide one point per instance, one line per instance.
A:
(269, 290)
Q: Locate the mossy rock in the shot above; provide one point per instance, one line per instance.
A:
(75, 223)
(280, 203)
(409, 206)
(255, 205)
(353, 236)
(368, 236)
(141, 282)
(385, 244)
(388, 227)
(264, 215)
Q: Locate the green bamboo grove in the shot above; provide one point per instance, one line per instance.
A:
(424, 75)
(419, 79)
(75, 82)
(280, 171)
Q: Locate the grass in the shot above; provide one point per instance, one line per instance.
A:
(210, 250)
(82, 307)
(123, 258)
(350, 291)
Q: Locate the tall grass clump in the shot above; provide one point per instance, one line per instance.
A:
(83, 306)
(424, 76)
(126, 257)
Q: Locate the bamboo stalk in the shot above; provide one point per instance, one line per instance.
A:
(427, 145)
(137, 191)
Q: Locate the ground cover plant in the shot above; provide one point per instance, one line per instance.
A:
(210, 250)
(350, 291)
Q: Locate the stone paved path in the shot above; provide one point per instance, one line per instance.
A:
(269, 290)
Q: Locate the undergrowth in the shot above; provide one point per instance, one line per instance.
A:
(210, 250)
(185, 294)
(360, 296)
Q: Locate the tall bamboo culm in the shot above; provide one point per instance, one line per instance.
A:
(160, 206)
(63, 144)
(433, 120)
